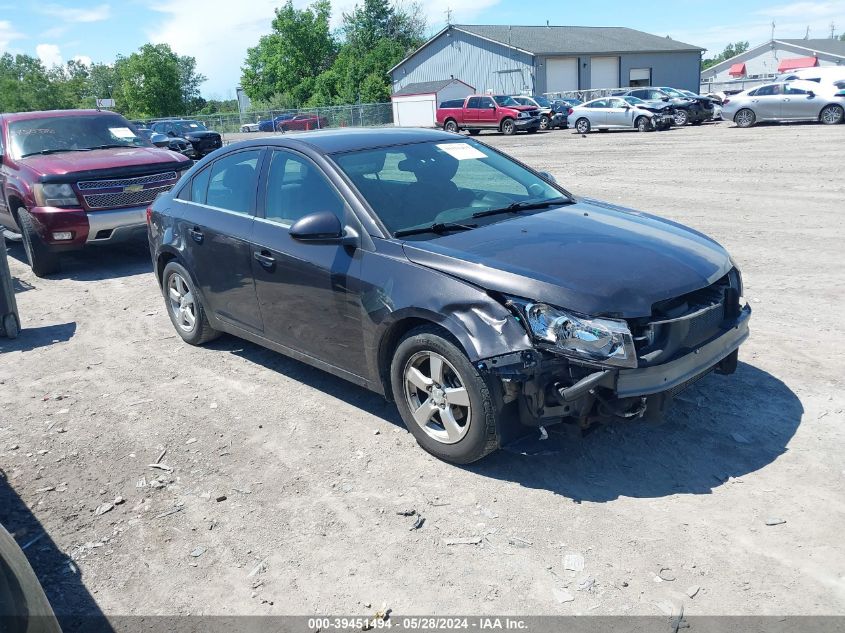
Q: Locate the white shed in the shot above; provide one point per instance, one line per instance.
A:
(415, 105)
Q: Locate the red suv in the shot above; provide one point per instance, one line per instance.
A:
(70, 178)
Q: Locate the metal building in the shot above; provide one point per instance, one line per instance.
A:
(550, 59)
(764, 62)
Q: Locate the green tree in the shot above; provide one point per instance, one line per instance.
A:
(26, 85)
(300, 47)
(731, 50)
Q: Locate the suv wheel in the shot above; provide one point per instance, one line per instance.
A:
(450, 409)
(185, 307)
(41, 259)
(681, 117)
(508, 127)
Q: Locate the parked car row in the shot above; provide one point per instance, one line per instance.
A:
(287, 122)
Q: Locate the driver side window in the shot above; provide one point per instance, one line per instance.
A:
(296, 187)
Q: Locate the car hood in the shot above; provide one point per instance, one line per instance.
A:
(99, 159)
(590, 257)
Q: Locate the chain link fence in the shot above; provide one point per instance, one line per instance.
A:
(358, 115)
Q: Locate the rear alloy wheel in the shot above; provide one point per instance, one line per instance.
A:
(508, 127)
(643, 124)
(41, 259)
(446, 404)
(745, 118)
(582, 126)
(832, 114)
(185, 307)
(681, 117)
(545, 122)
(451, 126)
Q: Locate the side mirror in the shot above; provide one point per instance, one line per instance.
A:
(320, 227)
(159, 140)
(547, 176)
(811, 93)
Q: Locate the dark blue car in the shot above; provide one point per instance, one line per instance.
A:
(273, 126)
(476, 293)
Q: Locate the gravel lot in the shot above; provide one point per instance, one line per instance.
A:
(314, 470)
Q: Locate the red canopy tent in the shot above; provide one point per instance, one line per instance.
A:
(797, 62)
(737, 70)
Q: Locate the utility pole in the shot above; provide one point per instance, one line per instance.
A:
(448, 15)
(773, 30)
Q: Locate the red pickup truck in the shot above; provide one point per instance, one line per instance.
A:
(71, 178)
(486, 112)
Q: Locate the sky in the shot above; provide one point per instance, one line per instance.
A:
(218, 32)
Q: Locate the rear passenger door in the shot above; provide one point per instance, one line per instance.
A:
(308, 292)
(766, 102)
(598, 113)
(217, 213)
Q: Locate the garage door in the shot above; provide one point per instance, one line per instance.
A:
(415, 111)
(604, 72)
(561, 74)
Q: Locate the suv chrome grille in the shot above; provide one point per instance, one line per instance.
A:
(125, 192)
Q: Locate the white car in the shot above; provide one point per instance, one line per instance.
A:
(613, 113)
(249, 127)
(785, 101)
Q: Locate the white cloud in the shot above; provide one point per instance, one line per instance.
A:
(7, 35)
(791, 22)
(49, 54)
(83, 59)
(220, 43)
(72, 14)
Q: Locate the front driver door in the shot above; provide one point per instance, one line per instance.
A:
(487, 116)
(308, 292)
(216, 220)
(797, 103)
(619, 114)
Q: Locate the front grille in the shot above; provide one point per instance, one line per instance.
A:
(112, 193)
(115, 200)
(125, 182)
(674, 391)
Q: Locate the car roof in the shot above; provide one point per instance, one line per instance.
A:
(40, 114)
(335, 141)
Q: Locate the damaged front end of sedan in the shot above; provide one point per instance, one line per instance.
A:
(585, 370)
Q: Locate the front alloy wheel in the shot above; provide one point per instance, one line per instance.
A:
(436, 397)
(681, 117)
(508, 127)
(452, 411)
(545, 122)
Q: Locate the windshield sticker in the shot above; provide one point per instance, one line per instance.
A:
(122, 132)
(462, 151)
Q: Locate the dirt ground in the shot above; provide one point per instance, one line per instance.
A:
(314, 470)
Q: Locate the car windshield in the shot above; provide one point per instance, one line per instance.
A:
(633, 100)
(423, 184)
(672, 92)
(505, 101)
(186, 127)
(543, 102)
(55, 134)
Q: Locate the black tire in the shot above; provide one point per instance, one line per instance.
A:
(747, 119)
(545, 122)
(41, 259)
(832, 114)
(643, 124)
(474, 132)
(481, 435)
(450, 125)
(681, 118)
(582, 125)
(508, 127)
(201, 332)
(11, 327)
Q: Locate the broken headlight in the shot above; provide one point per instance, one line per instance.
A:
(606, 341)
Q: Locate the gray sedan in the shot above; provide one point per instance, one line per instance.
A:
(784, 101)
(613, 113)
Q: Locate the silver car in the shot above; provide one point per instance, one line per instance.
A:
(613, 113)
(784, 101)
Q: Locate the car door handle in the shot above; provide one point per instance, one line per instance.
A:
(196, 235)
(264, 258)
